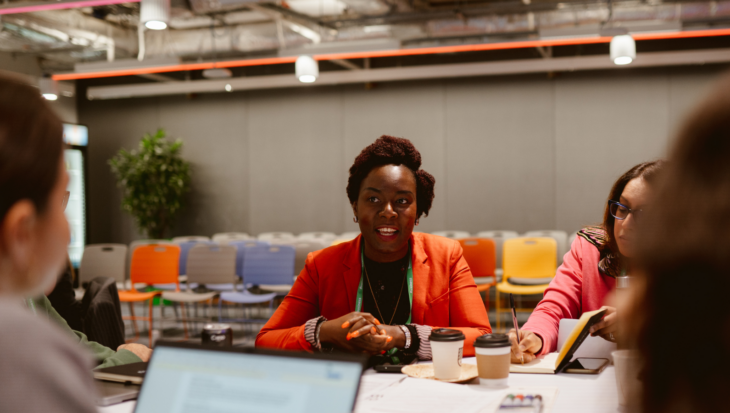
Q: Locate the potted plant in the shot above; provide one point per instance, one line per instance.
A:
(154, 180)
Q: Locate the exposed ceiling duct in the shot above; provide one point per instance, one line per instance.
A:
(221, 29)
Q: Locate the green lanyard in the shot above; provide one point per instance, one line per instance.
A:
(409, 279)
(32, 306)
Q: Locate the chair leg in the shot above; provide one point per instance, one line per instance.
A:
(498, 307)
(184, 320)
(134, 321)
(149, 321)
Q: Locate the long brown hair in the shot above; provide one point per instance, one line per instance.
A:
(646, 170)
(31, 143)
(686, 262)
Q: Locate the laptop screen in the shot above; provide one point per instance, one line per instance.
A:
(185, 380)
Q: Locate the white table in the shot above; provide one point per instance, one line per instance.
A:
(579, 393)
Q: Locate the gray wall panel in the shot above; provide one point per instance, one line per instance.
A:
(213, 130)
(516, 153)
(500, 155)
(412, 111)
(295, 156)
(603, 129)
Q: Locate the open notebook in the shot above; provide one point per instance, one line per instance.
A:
(555, 362)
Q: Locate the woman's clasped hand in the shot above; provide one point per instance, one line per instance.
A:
(360, 332)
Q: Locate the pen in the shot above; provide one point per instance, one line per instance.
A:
(514, 322)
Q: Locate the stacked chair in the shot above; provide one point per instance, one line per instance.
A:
(261, 266)
(452, 234)
(225, 237)
(207, 265)
(151, 264)
(481, 255)
(560, 237)
(529, 266)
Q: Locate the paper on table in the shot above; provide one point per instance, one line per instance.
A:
(373, 387)
(541, 365)
(430, 396)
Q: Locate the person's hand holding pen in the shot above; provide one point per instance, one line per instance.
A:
(524, 352)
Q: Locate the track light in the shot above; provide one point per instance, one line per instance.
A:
(155, 14)
(48, 87)
(307, 69)
(623, 49)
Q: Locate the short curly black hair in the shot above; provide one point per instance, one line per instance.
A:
(389, 150)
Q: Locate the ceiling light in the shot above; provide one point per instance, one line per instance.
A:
(228, 87)
(155, 14)
(307, 69)
(217, 73)
(48, 87)
(623, 49)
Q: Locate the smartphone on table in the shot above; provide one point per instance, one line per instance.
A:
(585, 365)
(385, 365)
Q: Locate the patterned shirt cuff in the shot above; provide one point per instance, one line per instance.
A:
(424, 350)
(310, 330)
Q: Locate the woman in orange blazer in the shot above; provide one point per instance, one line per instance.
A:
(384, 291)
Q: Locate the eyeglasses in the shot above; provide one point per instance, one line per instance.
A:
(621, 211)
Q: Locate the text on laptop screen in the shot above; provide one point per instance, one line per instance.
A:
(182, 380)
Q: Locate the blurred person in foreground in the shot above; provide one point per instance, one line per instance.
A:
(681, 314)
(588, 274)
(43, 369)
(408, 281)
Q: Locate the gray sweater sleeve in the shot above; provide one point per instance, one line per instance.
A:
(43, 369)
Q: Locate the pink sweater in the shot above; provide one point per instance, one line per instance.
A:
(578, 287)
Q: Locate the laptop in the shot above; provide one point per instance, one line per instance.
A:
(108, 392)
(126, 373)
(592, 347)
(184, 377)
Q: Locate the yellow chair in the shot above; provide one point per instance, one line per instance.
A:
(529, 262)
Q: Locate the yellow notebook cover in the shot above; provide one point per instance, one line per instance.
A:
(555, 362)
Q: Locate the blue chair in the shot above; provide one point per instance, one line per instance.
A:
(240, 246)
(261, 265)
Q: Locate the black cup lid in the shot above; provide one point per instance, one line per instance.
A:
(446, 334)
(492, 341)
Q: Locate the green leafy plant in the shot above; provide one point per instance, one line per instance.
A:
(154, 180)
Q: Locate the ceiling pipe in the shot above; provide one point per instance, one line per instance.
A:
(409, 73)
(31, 7)
(391, 53)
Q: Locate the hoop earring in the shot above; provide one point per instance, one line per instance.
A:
(354, 220)
(416, 222)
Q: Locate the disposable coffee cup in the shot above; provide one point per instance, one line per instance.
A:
(447, 349)
(493, 358)
(627, 365)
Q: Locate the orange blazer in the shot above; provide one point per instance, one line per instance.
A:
(444, 293)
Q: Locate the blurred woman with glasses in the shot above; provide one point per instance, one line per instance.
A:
(598, 255)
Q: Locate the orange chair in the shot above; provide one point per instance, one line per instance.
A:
(481, 255)
(529, 266)
(151, 264)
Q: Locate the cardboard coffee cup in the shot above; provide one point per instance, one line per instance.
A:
(493, 358)
(447, 348)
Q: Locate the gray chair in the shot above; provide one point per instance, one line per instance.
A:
(276, 236)
(560, 237)
(189, 238)
(326, 237)
(206, 265)
(102, 260)
(452, 234)
(347, 236)
(571, 240)
(225, 237)
(499, 237)
(303, 248)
